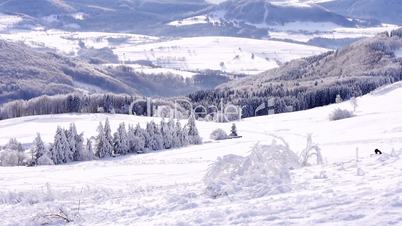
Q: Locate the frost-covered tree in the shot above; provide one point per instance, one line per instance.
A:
(76, 142)
(108, 132)
(40, 153)
(61, 147)
(13, 144)
(103, 146)
(120, 140)
(192, 131)
(184, 139)
(167, 132)
(136, 139)
(155, 140)
(177, 135)
(88, 151)
(13, 155)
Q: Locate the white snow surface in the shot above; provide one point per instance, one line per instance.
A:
(8, 21)
(166, 188)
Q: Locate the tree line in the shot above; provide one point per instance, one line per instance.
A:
(87, 103)
(70, 146)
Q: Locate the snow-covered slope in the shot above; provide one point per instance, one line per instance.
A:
(166, 187)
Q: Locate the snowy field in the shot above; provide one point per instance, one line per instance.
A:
(166, 188)
(229, 54)
(305, 31)
(187, 55)
(71, 42)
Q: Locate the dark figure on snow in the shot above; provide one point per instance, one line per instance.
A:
(377, 152)
(233, 132)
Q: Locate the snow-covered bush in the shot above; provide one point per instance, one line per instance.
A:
(339, 114)
(264, 171)
(218, 134)
(13, 154)
(9, 157)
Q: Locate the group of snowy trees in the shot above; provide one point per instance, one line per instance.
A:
(154, 137)
(68, 145)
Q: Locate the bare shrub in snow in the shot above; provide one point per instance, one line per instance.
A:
(55, 217)
(218, 134)
(264, 171)
(311, 151)
(339, 114)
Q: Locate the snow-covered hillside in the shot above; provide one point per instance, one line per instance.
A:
(166, 188)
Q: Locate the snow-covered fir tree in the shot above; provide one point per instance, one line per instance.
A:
(167, 134)
(40, 153)
(120, 140)
(76, 142)
(103, 146)
(192, 131)
(177, 135)
(61, 147)
(108, 133)
(155, 140)
(88, 153)
(136, 139)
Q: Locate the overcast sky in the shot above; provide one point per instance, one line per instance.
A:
(215, 1)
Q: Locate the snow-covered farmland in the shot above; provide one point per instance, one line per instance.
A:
(229, 54)
(203, 19)
(305, 31)
(71, 42)
(166, 188)
(233, 55)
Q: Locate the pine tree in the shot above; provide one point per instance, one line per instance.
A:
(167, 134)
(233, 132)
(140, 134)
(177, 135)
(41, 156)
(103, 146)
(155, 141)
(89, 153)
(76, 142)
(192, 131)
(108, 138)
(70, 135)
(60, 147)
(120, 140)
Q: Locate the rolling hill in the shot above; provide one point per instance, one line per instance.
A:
(315, 81)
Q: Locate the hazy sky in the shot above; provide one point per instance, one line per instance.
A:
(215, 1)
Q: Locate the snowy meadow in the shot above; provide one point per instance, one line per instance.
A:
(254, 180)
